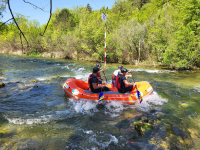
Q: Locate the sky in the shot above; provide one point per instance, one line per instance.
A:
(20, 7)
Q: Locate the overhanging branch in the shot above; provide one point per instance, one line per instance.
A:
(34, 5)
(49, 17)
(5, 22)
(16, 22)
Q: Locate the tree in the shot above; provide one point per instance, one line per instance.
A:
(65, 19)
(88, 7)
(2, 7)
(139, 3)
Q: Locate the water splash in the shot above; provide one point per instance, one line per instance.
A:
(153, 71)
(150, 101)
(114, 109)
(102, 140)
(197, 88)
(40, 120)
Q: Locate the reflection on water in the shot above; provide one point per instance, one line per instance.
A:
(35, 113)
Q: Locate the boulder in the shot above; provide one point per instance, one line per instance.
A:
(2, 85)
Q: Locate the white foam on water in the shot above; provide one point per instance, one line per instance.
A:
(81, 69)
(197, 88)
(83, 76)
(100, 141)
(83, 106)
(41, 79)
(45, 78)
(114, 108)
(153, 71)
(147, 102)
(65, 67)
(88, 132)
(40, 120)
(65, 76)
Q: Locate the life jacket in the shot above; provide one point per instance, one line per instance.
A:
(113, 77)
(89, 79)
(98, 75)
(118, 84)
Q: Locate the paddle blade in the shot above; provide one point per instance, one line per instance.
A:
(101, 96)
(139, 96)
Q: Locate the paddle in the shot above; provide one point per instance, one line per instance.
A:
(101, 96)
(105, 76)
(138, 92)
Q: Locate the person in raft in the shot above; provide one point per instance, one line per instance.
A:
(93, 82)
(99, 75)
(118, 72)
(123, 85)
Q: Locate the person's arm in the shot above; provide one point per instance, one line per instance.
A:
(95, 86)
(101, 70)
(101, 77)
(129, 72)
(128, 76)
(127, 83)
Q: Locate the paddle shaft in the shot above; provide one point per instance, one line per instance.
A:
(105, 75)
(133, 80)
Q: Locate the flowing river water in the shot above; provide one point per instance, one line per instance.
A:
(35, 113)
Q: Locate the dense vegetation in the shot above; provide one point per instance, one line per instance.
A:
(170, 29)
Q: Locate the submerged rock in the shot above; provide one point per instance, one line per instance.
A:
(2, 85)
(124, 124)
(101, 106)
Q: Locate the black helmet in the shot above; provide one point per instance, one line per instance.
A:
(98, 65)
(95, 69)
(124, 70)
(120, 67)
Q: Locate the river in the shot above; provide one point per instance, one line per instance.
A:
(35, 113)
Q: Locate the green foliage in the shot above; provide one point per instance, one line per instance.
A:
(2, 7)
(170, 29)
(65, 20)
(33, 53)
(89, 8)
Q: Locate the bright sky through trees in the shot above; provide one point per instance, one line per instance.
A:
(19, 6)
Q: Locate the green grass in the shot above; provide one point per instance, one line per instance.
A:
(33, 53)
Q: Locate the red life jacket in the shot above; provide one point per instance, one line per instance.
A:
(90, 77)
(113, 77)
(118, 84)
(98, 75)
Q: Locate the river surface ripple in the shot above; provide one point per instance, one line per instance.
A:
(35, 113)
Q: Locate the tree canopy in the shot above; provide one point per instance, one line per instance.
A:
(170, 30)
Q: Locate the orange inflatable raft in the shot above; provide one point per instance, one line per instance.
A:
(78, 90)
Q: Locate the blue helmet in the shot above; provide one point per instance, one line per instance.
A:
(124, 70)
(98, 65)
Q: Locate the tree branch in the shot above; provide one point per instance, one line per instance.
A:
(16, 22)
(5, 22)
(49, 17)
(21, 42)
(34, 6)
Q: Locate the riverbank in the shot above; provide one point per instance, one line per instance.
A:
(76, 56)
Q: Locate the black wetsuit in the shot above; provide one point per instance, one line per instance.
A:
(123, 88)
(95, 80)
